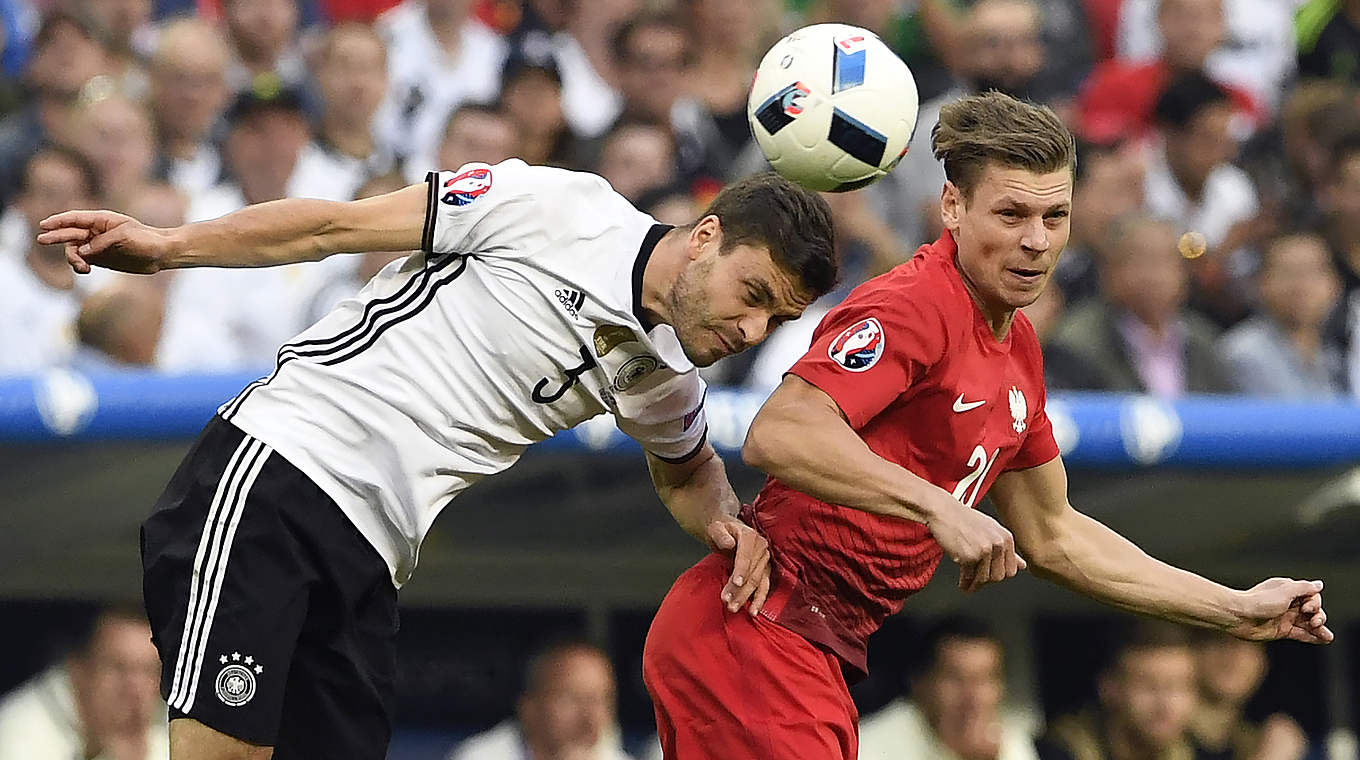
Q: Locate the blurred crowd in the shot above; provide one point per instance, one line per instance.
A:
(1234, 119)
(1162, 693)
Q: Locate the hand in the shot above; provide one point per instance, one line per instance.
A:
(1283, 608)
(750, 555)
(982, 547)
(107, 239)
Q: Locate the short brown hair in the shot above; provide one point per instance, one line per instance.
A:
(996, 128)
(793, 222)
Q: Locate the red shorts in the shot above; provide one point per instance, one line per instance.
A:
(726, 685)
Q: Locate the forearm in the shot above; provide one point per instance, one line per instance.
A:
(699, 499)
(1086, 556)
(301, 229)
(814, 451)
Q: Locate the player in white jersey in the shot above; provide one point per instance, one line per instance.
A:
(539, 298)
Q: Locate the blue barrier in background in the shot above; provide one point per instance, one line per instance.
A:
(1102, 430)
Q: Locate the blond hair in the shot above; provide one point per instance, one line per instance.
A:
(995, 128)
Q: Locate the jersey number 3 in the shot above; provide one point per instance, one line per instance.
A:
(573, 374)
(968, 489)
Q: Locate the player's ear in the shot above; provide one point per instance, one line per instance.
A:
(951, 207)
(707, 233)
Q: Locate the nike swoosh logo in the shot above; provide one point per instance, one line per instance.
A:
(959, 406)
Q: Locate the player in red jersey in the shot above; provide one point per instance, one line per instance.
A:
(921, 392)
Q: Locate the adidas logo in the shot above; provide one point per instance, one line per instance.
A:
(572, 300)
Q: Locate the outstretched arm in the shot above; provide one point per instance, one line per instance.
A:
(702, 501)
(1084, 555)
(268, 234)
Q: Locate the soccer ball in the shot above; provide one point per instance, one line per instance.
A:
(832, 107)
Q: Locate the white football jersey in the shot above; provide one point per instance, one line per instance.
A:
(520, 318)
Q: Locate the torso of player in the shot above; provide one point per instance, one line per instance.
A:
(448, 365)
(963, 419)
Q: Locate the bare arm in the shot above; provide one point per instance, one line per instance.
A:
(801, 437)
(700, 498)
(1081, 553)
(268, 234)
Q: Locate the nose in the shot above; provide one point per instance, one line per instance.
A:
(1035, 237)
(753, 328)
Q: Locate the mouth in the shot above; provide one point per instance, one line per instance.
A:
(1027, 275)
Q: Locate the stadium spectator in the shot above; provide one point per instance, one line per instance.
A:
(115, 133)
(125, 25)
(66, 54)
(1140, 337)
(672, 204)
(221, 320)
(531, 95)
(1109, 184)
(1005, 53)
(477, 133)
(1254, 53)
(1146, 697)
(439, 56)
(955, 711)
(1284, 350)
(652, 54)
(99, 703)
(565, 713)
(577, 36)
(1192, 182)
(637, 157)
(1328, 34)
(1229, 671)
(1119, 98)
(351, 74)
(263, 39)
(188, 94)
(1289, 161)
(1340, 202)
(41, 294)
(734, 37)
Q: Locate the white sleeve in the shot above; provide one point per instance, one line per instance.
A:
(670, 423)
(457, 200)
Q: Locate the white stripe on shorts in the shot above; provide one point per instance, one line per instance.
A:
(210, 566)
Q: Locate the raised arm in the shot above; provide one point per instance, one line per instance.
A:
(1079, 552)
(268, 234)
(801, 438)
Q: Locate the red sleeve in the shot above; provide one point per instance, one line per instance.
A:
(866, 354)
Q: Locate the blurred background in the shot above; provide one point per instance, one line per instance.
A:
(1206, 406)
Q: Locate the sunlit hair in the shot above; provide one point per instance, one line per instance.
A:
(995, 128)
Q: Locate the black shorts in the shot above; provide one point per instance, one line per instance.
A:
(276, 623)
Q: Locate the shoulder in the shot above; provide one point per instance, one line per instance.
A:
(1084, 325)
(33, 712)
(898, 724)
(1252, 336)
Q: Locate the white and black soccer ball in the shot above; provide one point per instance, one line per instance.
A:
(832, 107)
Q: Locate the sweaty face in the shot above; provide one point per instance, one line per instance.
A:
(1010, 234)
(725, 302)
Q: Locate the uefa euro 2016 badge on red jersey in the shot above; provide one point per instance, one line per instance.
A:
(467, 186)
(1019, 409)
(235, 682)
(859, 346)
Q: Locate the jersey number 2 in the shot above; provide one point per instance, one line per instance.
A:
(968, 489)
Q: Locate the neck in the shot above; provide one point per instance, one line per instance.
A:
(1125, 745)
(1212, 723)
(54, 272)
(1158, 326)
(1193, 186)
(181, 147)
(663, 269)
(352, 140)
(1306, 338)
(998, 319)
(447, 27)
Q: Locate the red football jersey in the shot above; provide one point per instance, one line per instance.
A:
(919, 375)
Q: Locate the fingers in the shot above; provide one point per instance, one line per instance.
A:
(721, 535)
(982, 571)
(740, 595)
(762, 593)
(80, 218)
(1321, 635)
(64, 235)
(77, 263)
